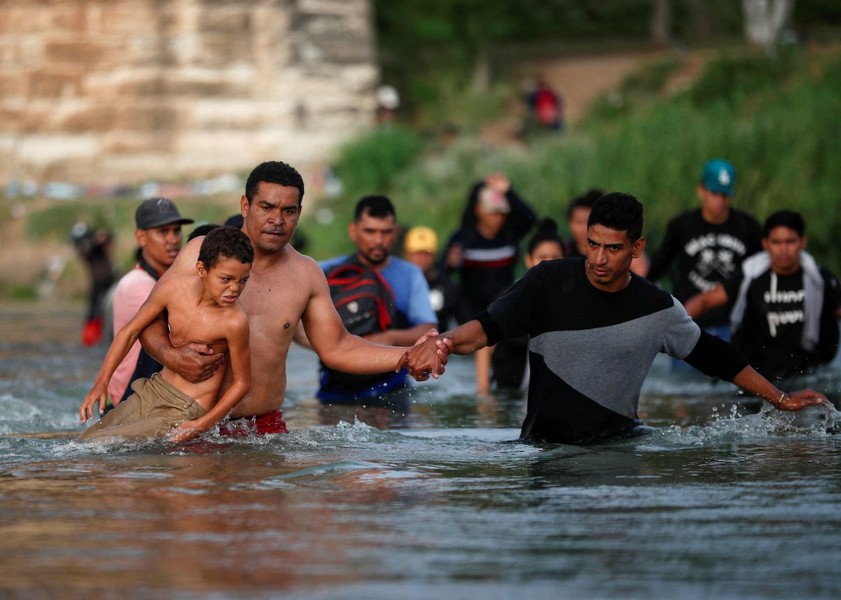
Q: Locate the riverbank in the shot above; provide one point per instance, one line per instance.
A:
(38, 260)
(650, 123)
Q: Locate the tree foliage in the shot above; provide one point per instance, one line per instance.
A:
(427, 46)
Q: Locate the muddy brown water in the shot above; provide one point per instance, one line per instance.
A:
(440, 502)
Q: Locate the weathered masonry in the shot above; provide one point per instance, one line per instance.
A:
(126, 90)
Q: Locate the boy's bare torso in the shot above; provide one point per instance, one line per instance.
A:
(192, 320)
(276, 296)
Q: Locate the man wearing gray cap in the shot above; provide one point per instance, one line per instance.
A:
(159, 237)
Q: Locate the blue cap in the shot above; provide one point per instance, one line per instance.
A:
(718, 177)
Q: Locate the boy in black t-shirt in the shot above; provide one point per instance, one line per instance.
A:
(784, 307)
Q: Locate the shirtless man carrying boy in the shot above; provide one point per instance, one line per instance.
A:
(286, 287)
(202, 308)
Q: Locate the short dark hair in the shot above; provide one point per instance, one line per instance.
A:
(201, 230)
(226, 241)
(547, 231)
(620, 212)
(374, 206)
(274, 172)
(785, 218)
(585, 200)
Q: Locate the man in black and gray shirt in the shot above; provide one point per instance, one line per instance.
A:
(594, 330)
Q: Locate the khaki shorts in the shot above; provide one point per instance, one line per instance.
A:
(152, 410)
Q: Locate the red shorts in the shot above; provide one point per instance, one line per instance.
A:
(271, 422)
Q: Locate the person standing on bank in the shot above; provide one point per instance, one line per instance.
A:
(399, 301)
(285, 287)
(158, 233)
(594, 330)
(708, 243)
(784, 307)
(94, 247)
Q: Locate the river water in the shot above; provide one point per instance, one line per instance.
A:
(715, 501)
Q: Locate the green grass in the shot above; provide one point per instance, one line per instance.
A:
(774, 119)
(368, 164)
(19, 293)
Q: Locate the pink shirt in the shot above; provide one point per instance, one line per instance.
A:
(132, 291)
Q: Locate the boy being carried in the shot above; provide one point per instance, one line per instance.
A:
(202, 309)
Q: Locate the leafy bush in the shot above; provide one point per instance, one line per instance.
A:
(367, 165)
(56, 221)
(18, 293)
(638, 89)
(732, 79)
(771, 118)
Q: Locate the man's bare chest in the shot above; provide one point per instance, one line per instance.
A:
(274, 306)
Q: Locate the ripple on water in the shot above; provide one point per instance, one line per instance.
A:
(725, 504)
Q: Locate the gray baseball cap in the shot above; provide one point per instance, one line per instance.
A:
(156, 212)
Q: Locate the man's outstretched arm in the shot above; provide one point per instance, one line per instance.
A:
(749, 380)
(717, 358)
(340, 350)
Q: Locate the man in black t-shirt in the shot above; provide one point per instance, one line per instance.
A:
(708, 244)
(594, 330)
(784, 308)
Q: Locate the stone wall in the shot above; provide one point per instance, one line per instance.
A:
(121, 91)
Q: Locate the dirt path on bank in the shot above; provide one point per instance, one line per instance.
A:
(583, 79)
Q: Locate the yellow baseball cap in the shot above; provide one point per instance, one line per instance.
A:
(420, 239)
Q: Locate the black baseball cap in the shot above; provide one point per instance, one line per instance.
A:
(156, 212)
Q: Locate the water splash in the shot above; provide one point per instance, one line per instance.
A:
(732, 424)
(833, 418)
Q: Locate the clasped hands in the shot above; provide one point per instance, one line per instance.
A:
(428, 357)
